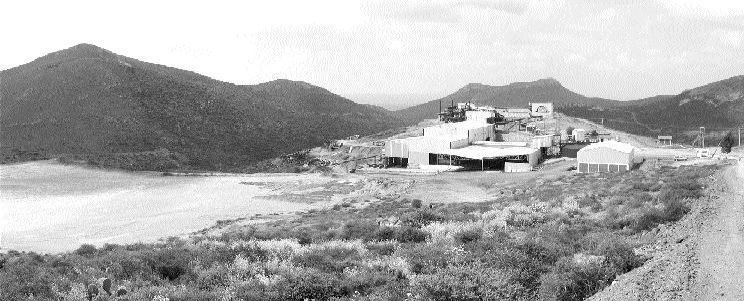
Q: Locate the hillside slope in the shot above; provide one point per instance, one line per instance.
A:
(87, 100)
(718, 106)
(511, 95)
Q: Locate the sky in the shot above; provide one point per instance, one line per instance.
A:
(613, 49)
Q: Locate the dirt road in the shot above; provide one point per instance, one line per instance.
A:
(721, 249)
(701, 257)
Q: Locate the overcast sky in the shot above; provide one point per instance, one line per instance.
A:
(614, 49)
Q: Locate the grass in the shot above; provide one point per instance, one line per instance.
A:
(564, 240)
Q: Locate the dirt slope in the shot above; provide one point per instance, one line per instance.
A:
(721, 252)
(701, 257)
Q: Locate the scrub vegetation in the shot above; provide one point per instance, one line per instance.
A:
(560, 240)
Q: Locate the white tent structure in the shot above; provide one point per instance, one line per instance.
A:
(608, 156)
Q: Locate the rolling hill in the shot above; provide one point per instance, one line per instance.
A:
(89, 101)
(718, 106)
(512, 95)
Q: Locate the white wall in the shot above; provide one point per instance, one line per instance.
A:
(480, 116)
(604, 155)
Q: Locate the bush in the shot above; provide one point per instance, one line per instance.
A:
(614, 248)
(416, 203)
(23, 277)
(327, 259)
(468, 235)
(384, 248)
(384, 233)
(214, 277)
(304, 284)
(406, 234)
(170, 263)
(648, 219)
(86, 250)
(427, 258)
(359, 229)
(420, 218)
(573, 281)
(511, 259)
(467, 282)
(674, 209)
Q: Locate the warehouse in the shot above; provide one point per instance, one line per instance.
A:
(608, 156)
(466, 144)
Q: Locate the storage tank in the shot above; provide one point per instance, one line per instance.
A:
(579, 134)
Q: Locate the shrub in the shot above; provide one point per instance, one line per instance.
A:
(648, 219)
(406, 234)
(359, 229)
(678, 193)
(420, 218)
(304, 284)
(22, 278)
(615, 249)
(427, 258)
(383, 248)
(384, 233)
(123, 264)
(416, 203)
(574, 281)
(467, 282)
(468, 235)
(363, 280)
(170, 263)
(675, 208)
(86, 250)
(509, 258)
(332, 259)
(214, 277)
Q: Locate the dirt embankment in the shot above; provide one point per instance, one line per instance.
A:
(721, 252)
(700, 257)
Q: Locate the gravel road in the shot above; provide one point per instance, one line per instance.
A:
(721, 251)
(701, 257)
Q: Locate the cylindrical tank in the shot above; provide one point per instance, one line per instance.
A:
(579, 134)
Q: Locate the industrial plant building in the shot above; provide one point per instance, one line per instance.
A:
(478, 138)
(473, 143)
(607, 156)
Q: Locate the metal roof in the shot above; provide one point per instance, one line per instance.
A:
(612, 144)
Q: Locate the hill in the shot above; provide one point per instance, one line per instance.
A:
(93, 103)
(718, 106)
(512, 95)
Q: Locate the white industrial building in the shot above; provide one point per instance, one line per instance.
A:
(468, 144)
(608, 156)
(541, 109)
(479, 116)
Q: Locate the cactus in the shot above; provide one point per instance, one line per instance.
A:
(105, 283)
(92, 291)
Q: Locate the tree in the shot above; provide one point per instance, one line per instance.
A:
(727, 143)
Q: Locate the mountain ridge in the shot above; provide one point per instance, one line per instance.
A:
(86, 100)
(517, 94)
